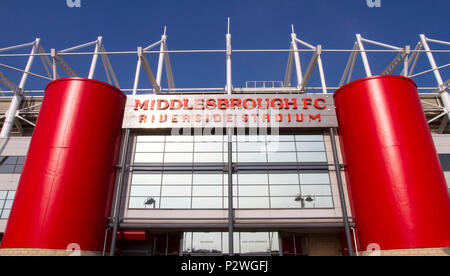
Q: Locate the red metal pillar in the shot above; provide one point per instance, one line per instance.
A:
(397, 189)
(65, 191)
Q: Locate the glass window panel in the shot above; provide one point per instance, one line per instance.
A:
(206, 243)
(180, 138)
(8, 204)
(252, 157)
(252, 179)
(280, 146)
(3, 194)
(225, 202)
(176, 202)
(139, 203)
(151, 138)
(208, 147)
(177, 179)
(225, 190)
(148, 158)
(235, 179)
(179, 147)
(21, 160)
(236, 242)
(278, 157)
(176, 191)
(308, 138)
(11, 194)
(178, 158)
(252, 147)
(314, 178)
(249, 138)
(209, 138)
(255, 243)
(149, 191)
(316, 189)
(18, 169)
(285, 178)
(280, 138)
(207, 191)
(312, 157)
(146, 179)
(225, 157)
(187, 242)
(210, 157)
(253, 190)
(150, 147)
(253, 202)
(207, 202)
(285, 190)
(7, 168)
(285, 202)
(320, 202)
(5, 214)
(208, 179)
(10, 160)
(310, 146)
(2, 203)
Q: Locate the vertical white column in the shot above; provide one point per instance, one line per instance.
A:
(363, 55)
(298, 66)
(161, 58)
(229, 72)
(17, 99)
(95, 57)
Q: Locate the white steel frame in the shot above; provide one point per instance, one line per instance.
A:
(406, 59)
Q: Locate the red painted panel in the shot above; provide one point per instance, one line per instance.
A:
(398, 191)
(65, 191)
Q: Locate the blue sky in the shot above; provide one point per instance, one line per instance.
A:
(201, 24)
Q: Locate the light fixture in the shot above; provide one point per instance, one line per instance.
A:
(150, 201)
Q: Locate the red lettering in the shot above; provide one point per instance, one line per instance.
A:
(266, 118)
(142, 119)
(174, 118)
(311, 117)
(185, 118)
(173, 102)
(277, 103)
(217, 118)
(245, 118)
(223, 104)
(162, 118)
(235, 103)
(288, 103)
(260, 104)
(230, 118)
(299, 117)
(138, 105)
(252, 101)
(162, 105)
(198, 104)
(316, 104)
(186, 104)
(279, 117)
(306, 103)
(211, 104)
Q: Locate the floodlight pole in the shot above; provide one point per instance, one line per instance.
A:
(18, 97)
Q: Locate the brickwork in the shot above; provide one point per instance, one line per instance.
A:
(46, 252)
(410, 252)
(324, 245)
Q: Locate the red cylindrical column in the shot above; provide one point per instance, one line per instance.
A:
(65, 191)
(398, 192)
